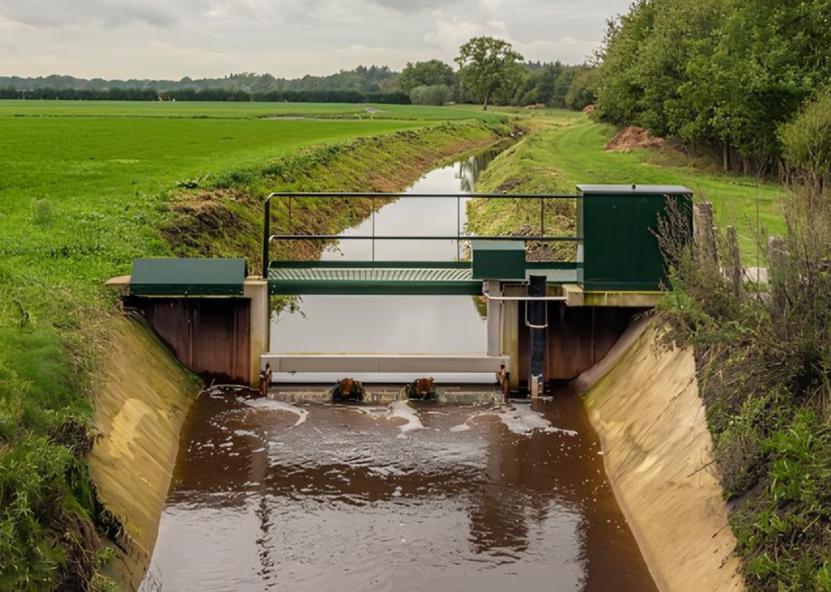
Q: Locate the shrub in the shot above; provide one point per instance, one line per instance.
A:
(437, 94)
(806, 143)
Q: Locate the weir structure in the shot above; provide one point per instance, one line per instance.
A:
(546, 320)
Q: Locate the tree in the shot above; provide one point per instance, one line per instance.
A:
(485, 63)
(432, 73)
(580, 93)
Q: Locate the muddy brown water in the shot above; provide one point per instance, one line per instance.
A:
(272, 496)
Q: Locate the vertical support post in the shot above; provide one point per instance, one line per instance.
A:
(733, 262)
(704, 232)
(777, 274)
(266, 234)
(494, 288)
(538, 326)
(458, 228)
(509, 339)
(542, 217)
(373, 228)
(291, 231)
(256, 290)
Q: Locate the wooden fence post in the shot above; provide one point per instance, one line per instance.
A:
(777, 272)
(733, 263)
(704, 233)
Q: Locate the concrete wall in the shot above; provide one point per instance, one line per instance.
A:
(643, 402)
(140, 404)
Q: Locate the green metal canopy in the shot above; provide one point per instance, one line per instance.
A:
(188, 277)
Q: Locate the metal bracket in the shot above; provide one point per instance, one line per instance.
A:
(528, 323)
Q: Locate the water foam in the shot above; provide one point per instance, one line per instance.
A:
(271, 404)
(402, 410)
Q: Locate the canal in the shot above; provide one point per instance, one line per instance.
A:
(269, 495)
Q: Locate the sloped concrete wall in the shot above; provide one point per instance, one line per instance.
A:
(643, 402)
(140, 405)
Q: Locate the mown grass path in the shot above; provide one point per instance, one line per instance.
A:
(566, 148)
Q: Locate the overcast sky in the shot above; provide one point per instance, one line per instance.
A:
(287, 38)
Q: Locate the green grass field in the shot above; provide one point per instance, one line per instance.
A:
(567, 149)
(234, 110)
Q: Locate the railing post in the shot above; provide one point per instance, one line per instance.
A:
(373, 228)
(458, 227)
(266, 234)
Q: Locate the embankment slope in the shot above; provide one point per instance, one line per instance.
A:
(140, 405)
(643, 402)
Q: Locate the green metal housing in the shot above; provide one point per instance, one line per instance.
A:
(188, 277)
(498, 260)
(618, 225)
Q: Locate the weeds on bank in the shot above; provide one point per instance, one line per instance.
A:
(763, 354)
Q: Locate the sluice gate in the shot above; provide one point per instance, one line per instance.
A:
(546, 320)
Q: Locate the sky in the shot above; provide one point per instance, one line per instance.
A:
(287, 38)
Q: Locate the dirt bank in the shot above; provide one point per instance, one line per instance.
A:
(643, 402)
(142, 400)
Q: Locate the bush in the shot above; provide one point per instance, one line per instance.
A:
(806, 143)
(437, 94)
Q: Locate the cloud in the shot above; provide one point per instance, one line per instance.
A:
(172, 38)
(449, 32)
(110, 13)
(411, 7)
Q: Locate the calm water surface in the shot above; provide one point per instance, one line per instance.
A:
(395, 324)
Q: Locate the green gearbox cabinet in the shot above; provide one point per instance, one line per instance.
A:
(619, 250)
(498, 260)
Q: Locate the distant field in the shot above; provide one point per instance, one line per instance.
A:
(242, 110)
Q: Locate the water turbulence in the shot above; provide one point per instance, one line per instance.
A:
(269, 495)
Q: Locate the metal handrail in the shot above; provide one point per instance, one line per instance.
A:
(333, 194)
(463, 237)
(459, 237)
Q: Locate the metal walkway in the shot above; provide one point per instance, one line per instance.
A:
(389, 278)
(355, 277)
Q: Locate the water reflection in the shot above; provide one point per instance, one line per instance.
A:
(395, 324)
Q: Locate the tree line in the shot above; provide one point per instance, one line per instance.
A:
(488, 71)
(206, 94)
(720, 76)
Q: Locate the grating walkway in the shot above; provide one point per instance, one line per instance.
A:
(373, 280)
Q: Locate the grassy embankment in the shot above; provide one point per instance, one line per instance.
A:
(80, 197)
(566, 148)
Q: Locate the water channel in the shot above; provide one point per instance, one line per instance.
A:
(268, 495)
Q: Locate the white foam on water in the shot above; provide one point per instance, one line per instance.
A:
(519, 419)
(523, 420)
(402, 410)
(271, 404)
